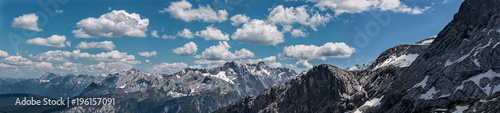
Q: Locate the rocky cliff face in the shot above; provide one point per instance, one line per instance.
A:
(458, 71)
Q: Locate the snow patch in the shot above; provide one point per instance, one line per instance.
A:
(422, 83)
(44, 81)
(222, 75)
(358, 67)
(371, 103)
(266, 72)
(448, 63)
(460, 109)
(401, 61)
(175, 94)
(476, 79)
(429, 94)
(425, 42)
(122, 86)
(476, 62)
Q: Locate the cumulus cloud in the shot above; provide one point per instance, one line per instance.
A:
(64, 56)
(68, 43)
(212, 33)
(270, 61)
(102, 67)
(221, 52)
(148, 54)
(14, 64)
(312, 52)
(116, 23)
(17, 61)
(53, 41)
(239, 19)
(196, 67)
(169, 68)
(258, 32)
(358, 6)
(298, 33)
(115, 56)
(43, 66)
(184, 10)
(26, 21)
(147, 61)
(105, 45)
(164, 36)
(154, 33)
(303, 64)
(3, 53)
(301, 15)
(210, 63)
(186, 50)
(185, 33)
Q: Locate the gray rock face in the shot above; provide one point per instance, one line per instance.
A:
(51, 85)
(190, 90)
(457, 72)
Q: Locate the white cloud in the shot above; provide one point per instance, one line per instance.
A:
(186, 50)
(147, 61)
(26, 21)
(270, 61)
(115, 56)
(210, 63)
(101, 67)
(358, 6)
(17, 61)
(18, 65)
(43, 66)
(312, 52)
(116, 23)
(104, 45)
(63, 56)
(303, 64)
(3, 53)
(169, 68)
(239, 19)
(60, 56)
(53, 41)
(164, 36)
(258, 32)
(212, 33)
(298, 33)
(185, 33)
(154, 33)
(59, 11)
(221, 52)
(68, 43)
(196, 67)
(291, 15)
(148, 54)
(184, 10)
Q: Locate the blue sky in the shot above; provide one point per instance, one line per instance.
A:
(322, 33)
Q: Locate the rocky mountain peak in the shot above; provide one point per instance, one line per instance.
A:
(48, 76)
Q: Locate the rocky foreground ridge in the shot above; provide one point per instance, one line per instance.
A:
(459, 71)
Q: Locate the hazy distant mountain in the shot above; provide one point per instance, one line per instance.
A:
(51, 85)
(458, 71)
